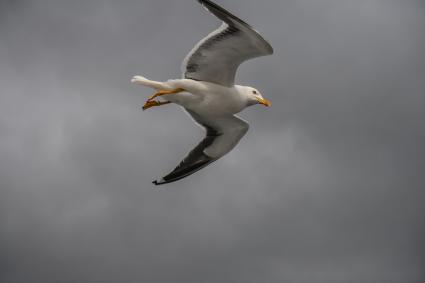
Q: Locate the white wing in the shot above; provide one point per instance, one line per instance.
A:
(222, 135)
(216, 57)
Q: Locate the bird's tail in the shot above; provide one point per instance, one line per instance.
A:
(146, 82)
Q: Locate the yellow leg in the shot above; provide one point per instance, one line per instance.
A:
(162, 92)
(152, 103)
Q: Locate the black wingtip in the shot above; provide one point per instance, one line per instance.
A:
(222, 13)
(202, 2)
(156, 183)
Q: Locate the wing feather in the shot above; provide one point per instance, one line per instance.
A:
(217, 57)
(221, 137)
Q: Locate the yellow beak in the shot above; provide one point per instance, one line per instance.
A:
(263, 101)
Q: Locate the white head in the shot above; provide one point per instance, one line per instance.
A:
(254, 96)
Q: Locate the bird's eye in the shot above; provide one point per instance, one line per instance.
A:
(254, 92)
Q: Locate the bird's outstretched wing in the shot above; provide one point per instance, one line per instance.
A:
(216, 57)
(222, 135)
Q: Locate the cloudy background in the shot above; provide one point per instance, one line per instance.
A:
(327, 186)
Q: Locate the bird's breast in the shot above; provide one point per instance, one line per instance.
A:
(218, 105)
(207, 98)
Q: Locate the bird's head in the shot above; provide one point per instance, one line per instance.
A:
(255, 97)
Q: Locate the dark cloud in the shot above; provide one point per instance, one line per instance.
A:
(327, 186)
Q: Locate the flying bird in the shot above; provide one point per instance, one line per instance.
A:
(208, 91)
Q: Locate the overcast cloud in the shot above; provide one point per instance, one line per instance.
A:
(327, 186)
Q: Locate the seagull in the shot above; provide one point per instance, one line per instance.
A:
(208, 92)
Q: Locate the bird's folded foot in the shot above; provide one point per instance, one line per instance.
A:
(163, 92)
(152, 103)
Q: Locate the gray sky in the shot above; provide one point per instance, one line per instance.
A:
(327, 186)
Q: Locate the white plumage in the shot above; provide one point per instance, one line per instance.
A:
(207, 91)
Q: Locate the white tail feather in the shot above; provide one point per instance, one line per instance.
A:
(146, 82)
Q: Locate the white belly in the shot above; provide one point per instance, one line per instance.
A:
(207, 98)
